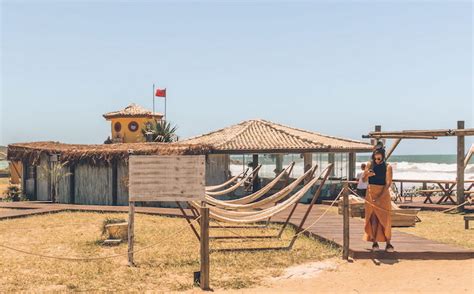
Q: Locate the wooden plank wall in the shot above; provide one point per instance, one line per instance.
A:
(93, 184)
(64, 187)
(122, 183)
(42, 179)
(217, 168)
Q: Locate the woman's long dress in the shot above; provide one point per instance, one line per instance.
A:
(378, 222)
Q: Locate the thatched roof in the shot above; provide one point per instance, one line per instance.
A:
(98, 154)
(261, 136)
(133, 110)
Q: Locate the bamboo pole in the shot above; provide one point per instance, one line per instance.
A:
(395, 145)
(204, 282)
(460, 168)
(131, 220)
(345, 209)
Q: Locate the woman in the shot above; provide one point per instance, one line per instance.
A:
(378, 223)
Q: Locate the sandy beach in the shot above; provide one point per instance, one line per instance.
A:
(363, 276)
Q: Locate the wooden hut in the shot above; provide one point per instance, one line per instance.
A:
(97, 174)
(264, 137)
(93, 174)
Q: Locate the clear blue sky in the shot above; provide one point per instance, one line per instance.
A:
(337, 68)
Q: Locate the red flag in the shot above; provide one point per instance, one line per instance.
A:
(160, 92)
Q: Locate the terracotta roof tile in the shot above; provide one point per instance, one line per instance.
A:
(262, 135)
(133, 110)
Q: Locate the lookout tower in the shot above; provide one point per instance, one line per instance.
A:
(127, 124)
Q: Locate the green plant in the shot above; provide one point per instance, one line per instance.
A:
(56, 172)
(111, 220)
(13, 193)
(161, 131)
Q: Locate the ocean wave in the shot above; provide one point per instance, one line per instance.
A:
(429, 167)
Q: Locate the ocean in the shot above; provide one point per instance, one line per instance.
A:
(432, 167)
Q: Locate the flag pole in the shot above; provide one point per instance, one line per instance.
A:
(165, 105)
(153, 99)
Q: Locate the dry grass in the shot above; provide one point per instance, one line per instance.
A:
(4, 182)
(442, 227)
(168, 266)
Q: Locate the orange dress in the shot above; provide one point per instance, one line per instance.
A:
(378, 221)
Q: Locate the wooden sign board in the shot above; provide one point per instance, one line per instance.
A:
(167, 178)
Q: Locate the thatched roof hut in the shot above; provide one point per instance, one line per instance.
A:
(98, 154)
(262, 136)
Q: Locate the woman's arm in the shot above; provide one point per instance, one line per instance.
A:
(367, 174)
(388, 180)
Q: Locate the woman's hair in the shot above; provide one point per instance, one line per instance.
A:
(380, 151)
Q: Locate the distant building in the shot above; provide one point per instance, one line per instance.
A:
(127, 124)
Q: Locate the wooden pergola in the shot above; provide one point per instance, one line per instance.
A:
(460, 133)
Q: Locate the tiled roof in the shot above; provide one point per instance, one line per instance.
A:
(133, 110)
(261, 135)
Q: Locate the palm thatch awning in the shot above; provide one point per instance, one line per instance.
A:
(133, 110)
(261, 136)
(98, 154)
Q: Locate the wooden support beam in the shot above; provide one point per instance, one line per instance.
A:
(255, 178)
(352, 166)
(332, 160)
(345, 222)
(468, 156)
(307, 163)
(131, 223)
(460, 168)
(395, 144)
(204, 283)
(279, 162)
(400, 137)
(424, 133)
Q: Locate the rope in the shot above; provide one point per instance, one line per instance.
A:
(462, 204)
(98, 257)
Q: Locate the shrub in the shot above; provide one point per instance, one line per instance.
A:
(13, 193)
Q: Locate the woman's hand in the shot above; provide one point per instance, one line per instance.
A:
(370, 173)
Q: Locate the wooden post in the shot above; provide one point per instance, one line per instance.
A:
(352, 166)
(332, 160)
(307, 163)
(279, 162)
(204, 247)
(131, 220)
(378, 128)
(460, 168)
(255, 178)
(345, 209)
(24, 176)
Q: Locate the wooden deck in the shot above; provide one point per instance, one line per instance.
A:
(329, 228)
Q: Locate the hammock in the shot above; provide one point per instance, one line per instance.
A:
(253, 196)
(233, 179)
(273, 198)
(237, 185)
(227, 212)
(269, 212)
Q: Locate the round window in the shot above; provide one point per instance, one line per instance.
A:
(133, 126)
(117, 127)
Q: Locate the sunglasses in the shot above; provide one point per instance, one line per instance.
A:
(378, 158)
